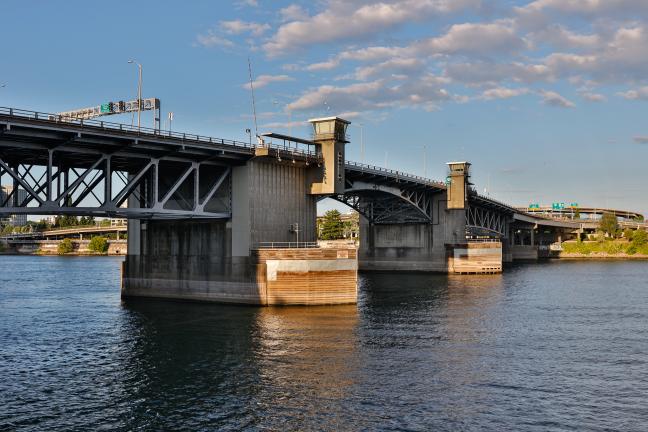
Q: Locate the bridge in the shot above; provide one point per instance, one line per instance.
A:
(201, 209)
(69, 232)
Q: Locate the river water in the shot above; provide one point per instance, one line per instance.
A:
(543, 347)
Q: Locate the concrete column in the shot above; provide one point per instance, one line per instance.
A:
(241, 224)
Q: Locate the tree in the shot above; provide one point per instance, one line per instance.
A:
(628, 233)
(640, 238)
(65, 246)
(66, 221)
(332, 227)
(609, 224)
(8, 229)
(98, 244)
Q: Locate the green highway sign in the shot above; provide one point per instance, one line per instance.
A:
(105, 108)
(573, 205)
(534, 206)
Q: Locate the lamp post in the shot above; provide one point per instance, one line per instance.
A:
(139, 93)
(170, 117)
(425, 160)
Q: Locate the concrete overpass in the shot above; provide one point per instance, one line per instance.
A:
(70, 232)
(580, 213)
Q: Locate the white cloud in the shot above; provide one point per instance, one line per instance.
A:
(424, 92)
(212, 40)
(638, 94)
(592, 97)
(475, 38)
(503, 93)
(237, 27)
(563, 38)
(479, 73)
(586, 7)
(552, 98)
(344, 20)
(293, 12)
(393, 66)
(250, 3)
(264, 80)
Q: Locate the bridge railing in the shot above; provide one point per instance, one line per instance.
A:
(286, 245)
(394, 173)
(142, 131)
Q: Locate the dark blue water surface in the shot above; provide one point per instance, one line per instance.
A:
(544, 347)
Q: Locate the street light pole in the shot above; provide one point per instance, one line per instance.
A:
(425, 160)
(139, 93)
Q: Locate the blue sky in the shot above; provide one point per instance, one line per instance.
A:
(547, 98)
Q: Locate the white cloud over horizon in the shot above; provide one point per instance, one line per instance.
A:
(555, 50)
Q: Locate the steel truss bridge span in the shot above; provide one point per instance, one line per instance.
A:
(90, 167)
(96, 168)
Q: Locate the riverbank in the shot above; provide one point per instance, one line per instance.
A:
(50, 248)
(602, 257)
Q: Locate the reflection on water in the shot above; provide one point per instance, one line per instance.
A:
(543, 347)
(307, 362)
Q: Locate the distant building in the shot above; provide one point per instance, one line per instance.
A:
(15, 220)
(118, 222)
(51, 220)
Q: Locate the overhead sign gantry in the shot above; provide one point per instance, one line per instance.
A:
(112, 108)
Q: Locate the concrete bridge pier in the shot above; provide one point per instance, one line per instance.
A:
(439, 245)
(411, 246)
(263, 253)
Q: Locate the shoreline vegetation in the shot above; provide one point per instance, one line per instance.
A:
(604, 249)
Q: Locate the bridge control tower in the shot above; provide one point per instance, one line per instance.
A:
(329, 136)
(458, 181)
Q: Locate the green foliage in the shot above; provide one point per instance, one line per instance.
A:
(65, 246)
(87, 220)
(66, 221)
(608, 247)
(98, 244)
(628, 233)
(609, 224)
(640, 238)
(7, 229)
(332, 226)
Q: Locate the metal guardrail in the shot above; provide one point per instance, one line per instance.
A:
(499, 203)
(394, 173)
(484, 240)
(143, 131)
(286, 245)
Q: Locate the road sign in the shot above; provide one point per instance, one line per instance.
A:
(534, 206)
(573, 205)
(109, 108)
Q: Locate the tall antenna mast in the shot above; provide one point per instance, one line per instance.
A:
(256, 129)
